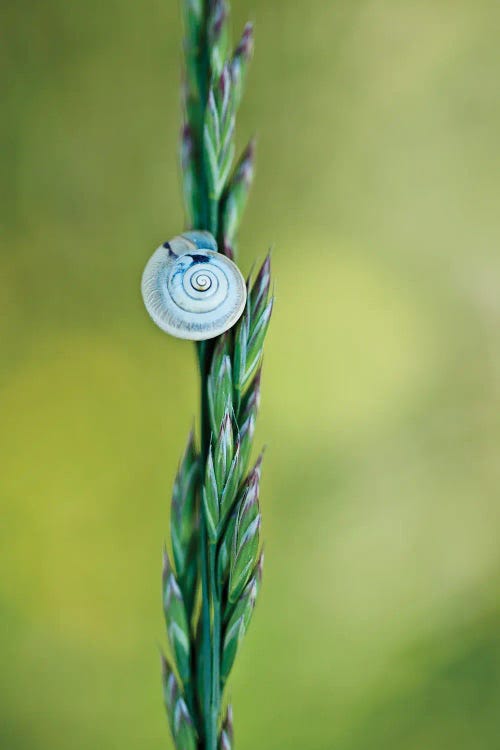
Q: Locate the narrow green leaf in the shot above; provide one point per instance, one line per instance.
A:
(181, 724)
(210, 495)
(240, 61)
(247, 433)
(259, 330)
(220, 391)
(247, 417)
(222, 349)
(244, 605)
(259, 292)
(231, 642)
(226, 738)
(236, 196)
(244, 562)
(184, 523)
(225, 549)
(240, 356)
(237, 626)
(171, 691)
(248, 505)
(218, 35)
(245, 538)
(251, 400)
(184, 731)
(212, 144)
(247, 493)
(224, 451)
(259, 570)
(212, 121)
(224, 101)
(176, 620)
(256, 342)
(231, 485)
(218, 134)
(225, 163)
(248, 510)
(190, 180)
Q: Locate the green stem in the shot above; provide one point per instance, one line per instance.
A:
(211, 604)
(210, 600)
(206, 646)
(206, 638)
(204, 218)
(216, 638)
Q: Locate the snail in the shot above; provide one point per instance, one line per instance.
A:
(190, 290)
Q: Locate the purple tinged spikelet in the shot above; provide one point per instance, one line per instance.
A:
(260, 568)
(240, 60)
(227, 732)
(218, 15)
(251, 400)
(252, 493)
(218, 35)
(224, 91)
(260, 288)
(228, 722)
(181, 714)
(171, 588)
(166, 569)
(187, 146)
(236, 194)
(245, 542)
(246, 43)
(256, 472)
(170, 686)
(245, 170)
(247, 432)
(248, 418)
(184, 731)
(184, 479)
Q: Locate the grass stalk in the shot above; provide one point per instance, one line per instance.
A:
(210, 591)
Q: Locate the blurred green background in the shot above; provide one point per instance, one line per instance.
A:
(378, 626)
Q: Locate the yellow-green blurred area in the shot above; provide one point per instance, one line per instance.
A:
(378, 122)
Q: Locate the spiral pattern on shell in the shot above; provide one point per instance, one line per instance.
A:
(190, 290)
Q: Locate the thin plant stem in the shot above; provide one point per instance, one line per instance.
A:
(216, 626)
(210, 594)
(206, 573)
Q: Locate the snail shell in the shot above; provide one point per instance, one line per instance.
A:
(190, 290)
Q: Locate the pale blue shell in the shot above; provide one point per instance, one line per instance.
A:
(190, 290)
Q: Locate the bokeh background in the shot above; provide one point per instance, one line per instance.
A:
(378, 186)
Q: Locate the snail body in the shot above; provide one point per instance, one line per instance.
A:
(190, 290)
